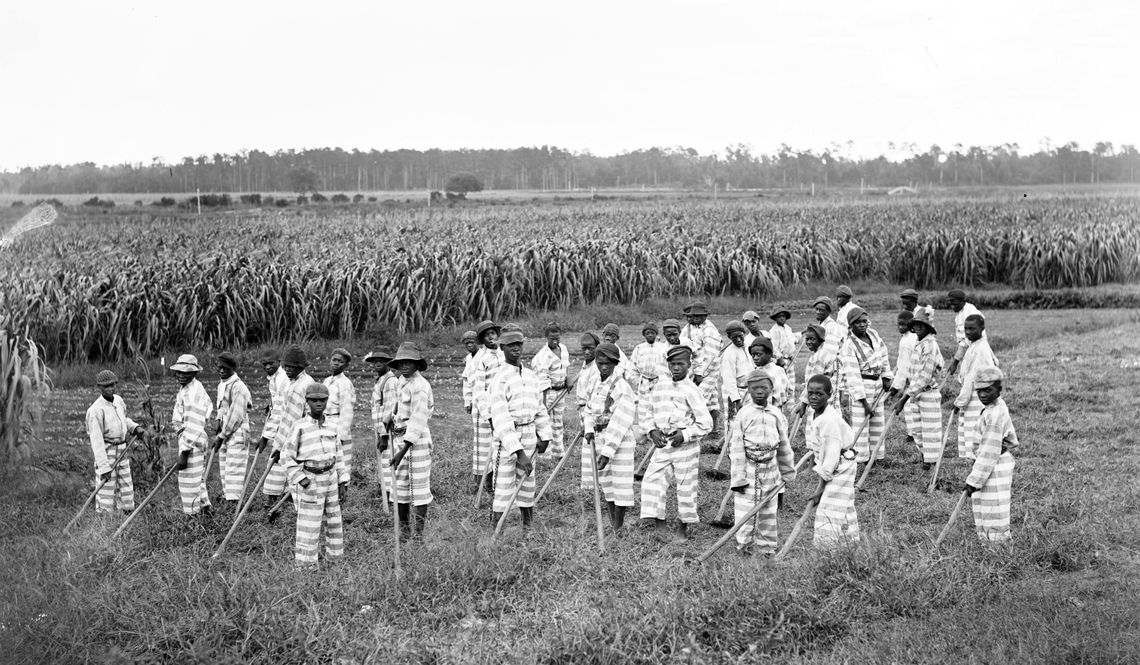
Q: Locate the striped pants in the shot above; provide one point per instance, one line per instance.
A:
(617, 478)
(587, 476)
(333, 422)
(710, 388)
(911, 420)
(413, 477)
(557, 421)
(384, 460)
(192, 483)
(233, 460)
(836, 521)
(968, 436)
(668, 465)
(929, 440)
(507, 475)
(481, 446)
(318, 506)
(275, 482)
(765, 476)
(991, 503)
(870, 434)
(119, 491)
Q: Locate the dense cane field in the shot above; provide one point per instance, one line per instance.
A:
(1064, 592)
(123, 285)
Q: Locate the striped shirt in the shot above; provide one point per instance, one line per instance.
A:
(415, 404)
(468, 376)
(978, 356)
(107, 423)
(616, 401)
(925, 367)
(680, 405)
(735, 366)
(996, 434)
(834, 334)
(516, 403)
(706, 343)
(907, 343)
(647, 364)
(342, 400)
(783, 341)
(857, 358)
(817, 364)
(486, 364)
(759, 434)
(585, 383)
(828, 435)
(384, 398)
(550, 367)
(278, 385)
(779, 382)
(292, 407)
(315, 443)
(192, 408)
(233, 405)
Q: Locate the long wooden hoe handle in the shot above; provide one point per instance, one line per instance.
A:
(875, 451)
(383, 486)
(244, 509)
(941, 452)
(561, 463)
(953, 518)
(760, 503)
(800, 524)
(114, 466)
(511, 503)
(597, 497)
(133, 515)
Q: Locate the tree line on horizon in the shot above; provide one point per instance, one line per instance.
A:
(551, 168)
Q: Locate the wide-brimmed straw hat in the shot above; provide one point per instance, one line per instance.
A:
(776, 311)
(186, 363)
(924, 315)
(409, 351)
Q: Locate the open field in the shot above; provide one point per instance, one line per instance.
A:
(1064, 593)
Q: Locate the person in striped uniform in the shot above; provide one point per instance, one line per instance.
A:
(817, 364)
(293, 408)
(486, 365)
(751, 321)
(584, 387)
(192, 409)
(611, 333)
(834, 333)
(956, 299)
(647, 366)
(411, 438)
(735, 366)
(760, 454)
(277, 381)
(992, 473)
(866, 366)
(680, 418)
(341, 403)
(761, 352)
(108, 427)
(907, 342)
(608, 421)
(843, 296)
(784, 345)
(978, 356)
(383, 404)
(707, 347)
(829, 437)
(314, 465)
(231, 441)
(671, 331)
(522, 430)
(550, 365)
(923, 381)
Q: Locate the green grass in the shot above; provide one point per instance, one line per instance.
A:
(1064, 593)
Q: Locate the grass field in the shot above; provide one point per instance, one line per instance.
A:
(1065, 592)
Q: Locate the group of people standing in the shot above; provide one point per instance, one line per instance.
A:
(673, 396)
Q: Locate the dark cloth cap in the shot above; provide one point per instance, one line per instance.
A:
(697, 308)
(296, 357)
(761, 341)
(678, 350)
(589, 337)
(608, 350)
(227, 359)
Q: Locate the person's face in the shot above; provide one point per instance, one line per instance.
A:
(650, 335)
(184, 377)
(920, 329)
(610, 337)
(812, 341)
(407, 368)
(672, 335)
(737, 339)
(107, 391)
(471, 345)
(781, 319)
(381, 369)
(337, 363)
(760, 392)
(842, 299)
(605, 367)
(957, 303)
(697, 319)
(753, 326)
(293, 371)
(224, 371)
(903, 326)
(512, 352)
(588, 348)
(760, 355)
(270, 366)
(316, 405)
(817, 396)
(553, 339)
(490, 339)
(679, 367)
(860, 325)
(989, 394)
(821, 312)
(909, 303)
(973, 330)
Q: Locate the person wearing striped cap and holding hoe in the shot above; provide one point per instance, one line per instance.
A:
(108, 427)
(192, 410)
(341, 403)
(232, 440)
(411, 439)
(486, 364)
(608, 420)
(313, 462)
(550, 365)
(293, 408)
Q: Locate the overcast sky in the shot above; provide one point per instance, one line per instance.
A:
(114, 82)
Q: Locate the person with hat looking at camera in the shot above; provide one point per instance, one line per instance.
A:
(411, 439)
(956, 299)
(834, 333)
(233, 404)
(608, 422)
(108, 427)
(192, 410)
(522, 430)
(550, 365)
(843, 296)
(293, 408)
(680, 418)
(735, 366)
(384, 396)
(866, 366)
(923, 381)
(818, 364)
(707, 345)
(761, 354)
(751, 321)
(991, 476)
(342, 400)
(784, 342)
(313, 462)
(487, 363)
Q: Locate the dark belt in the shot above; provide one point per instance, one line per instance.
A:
(871, 377)
(113, 443)
(318, 470)
(333, 414)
